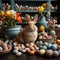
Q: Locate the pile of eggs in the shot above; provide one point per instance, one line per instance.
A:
(29, 48)
(49, 49)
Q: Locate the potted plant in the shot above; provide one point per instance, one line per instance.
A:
(8, 18)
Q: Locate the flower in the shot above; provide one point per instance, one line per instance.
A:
(8, 17)
(42, 8)
(52, 23)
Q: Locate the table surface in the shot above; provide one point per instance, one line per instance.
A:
(11, 56)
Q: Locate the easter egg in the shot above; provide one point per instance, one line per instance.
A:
(49, 46)
(1, 48)
(40, 46)
(48, 53)
(42, 28)
(45, 43)
(58, 42)
(44, 47)
(53, 33)
(59, 52)
(58, 47)
(18, 53)
(55, 53)
(40, 42)
(54, 47)
(42, 52)
(15, 51)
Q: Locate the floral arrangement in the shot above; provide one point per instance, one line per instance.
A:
(52, 23)
(9, 18)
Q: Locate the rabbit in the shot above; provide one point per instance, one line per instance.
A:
(30, 32)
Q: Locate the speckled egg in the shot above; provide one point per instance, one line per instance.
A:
(42, 52)
(54, 46)
(48, 53)
(53, 33)
(55, 53)
(49, 46)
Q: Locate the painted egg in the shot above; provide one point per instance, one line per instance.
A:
(16, 48)
(53, 33)
(54, 47)
(14, 44)
(49, 46)
(42, 52)
(55, 53)
(44, 47)
(48, 53)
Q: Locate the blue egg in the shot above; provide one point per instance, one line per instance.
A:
(40, 42)
(59, 52)
(44, 47)
(52, 32)
(54, 46)
(40, 46)
(49, 46)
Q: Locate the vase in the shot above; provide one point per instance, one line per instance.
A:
(11, 32)
(43, 22)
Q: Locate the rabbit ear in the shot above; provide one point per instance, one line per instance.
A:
(35, 18)
(27, 16)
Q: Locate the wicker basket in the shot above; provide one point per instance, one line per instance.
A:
(6, 51)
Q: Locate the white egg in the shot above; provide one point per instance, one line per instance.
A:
(15, 51)
(1, 48)
(24, 50)
(18, 53)
(14, 44)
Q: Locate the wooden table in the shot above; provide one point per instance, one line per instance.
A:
(11, 56)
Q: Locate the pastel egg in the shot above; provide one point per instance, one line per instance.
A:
(18, 53)
(42, 52)
(52, 32)
(49, 45)
(40, 42)
(54, 47)
(15, 51)
(40, 46)
(45, 43)
(1, 48)
(55, 53)
(48, 53)
(58, 47)
(44, 47)
(59, 52)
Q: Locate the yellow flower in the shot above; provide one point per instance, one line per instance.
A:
(8, 13)
(44, 5)
(41, 9)
(2, 13)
